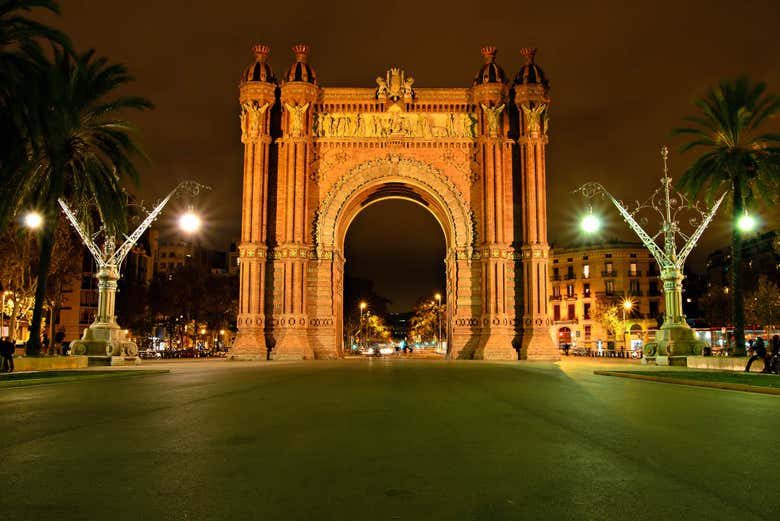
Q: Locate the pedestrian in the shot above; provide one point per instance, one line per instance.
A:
(45, 344)
(7, 349)
(759, 352)
(59, 337)
(776, 345)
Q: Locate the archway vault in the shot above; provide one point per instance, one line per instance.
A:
(394, 176)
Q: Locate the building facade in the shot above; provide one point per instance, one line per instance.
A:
(314, 156)
(587, 279)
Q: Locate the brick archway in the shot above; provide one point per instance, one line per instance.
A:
(314, 156)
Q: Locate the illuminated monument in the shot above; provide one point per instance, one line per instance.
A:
(315, 156)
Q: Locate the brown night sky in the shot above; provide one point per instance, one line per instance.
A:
(622, 75)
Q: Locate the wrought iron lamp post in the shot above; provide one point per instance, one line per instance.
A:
(104, 337)
(675, 340)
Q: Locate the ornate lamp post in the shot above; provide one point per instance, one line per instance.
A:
(438, 320)
(675, 340)
(363, 306)
(104, 337)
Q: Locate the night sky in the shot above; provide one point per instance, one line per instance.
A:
(622, 76)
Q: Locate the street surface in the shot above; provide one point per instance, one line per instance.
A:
(384, 440)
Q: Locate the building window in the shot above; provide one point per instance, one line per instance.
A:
(586, 311)
(569, 290)
(556, 274)
(586, 271)
(586, 290)
(572, 315)
(587, 332)
(632, 255)
(570, 272)
(556, 313)
(609, 287)
(632, 269)
(608, 267)
(556, 291)
(633, 287)
(608, 256)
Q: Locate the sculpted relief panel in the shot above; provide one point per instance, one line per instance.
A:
(395, 124)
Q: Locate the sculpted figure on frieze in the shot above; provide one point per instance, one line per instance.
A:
(535, 117)
(493, 117)
(251, 116)
(297, 113)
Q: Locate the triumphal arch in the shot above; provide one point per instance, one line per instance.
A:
(314, 156)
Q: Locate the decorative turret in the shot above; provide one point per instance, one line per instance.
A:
(260, 70)
(490, 72)
(301, 70)
(530, 73)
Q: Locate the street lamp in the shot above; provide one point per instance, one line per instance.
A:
(590, 223)
(675, 338)
(438, 318)
(33, 220)
(189, 222)
(361, 333)
(104, 337)
(746, 223)
(627, 305)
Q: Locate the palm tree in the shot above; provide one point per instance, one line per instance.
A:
(79, 149)
(20, 49)
(736, 157)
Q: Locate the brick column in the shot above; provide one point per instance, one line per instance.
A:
(532, 104)
(257, 97)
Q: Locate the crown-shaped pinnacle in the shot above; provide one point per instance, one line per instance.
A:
(261, 52)
(489, 53)
(528, 53)
(301, 52)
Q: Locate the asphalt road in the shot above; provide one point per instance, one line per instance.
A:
(385, 440)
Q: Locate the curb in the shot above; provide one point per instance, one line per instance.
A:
(694, 383)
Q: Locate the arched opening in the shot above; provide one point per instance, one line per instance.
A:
(394, 251)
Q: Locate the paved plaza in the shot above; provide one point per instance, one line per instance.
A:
(384, 440)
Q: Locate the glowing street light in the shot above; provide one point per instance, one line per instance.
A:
(746, 223)
(590, 223)
(189, 222)
(33, 220)
(362, 333)
(438, 317)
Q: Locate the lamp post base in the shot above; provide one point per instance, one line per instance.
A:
(106, 341)
(672, 346)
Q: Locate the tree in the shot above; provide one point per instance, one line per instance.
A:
(20, 49)
(425, 321)
(763, 305)
(607, 314)
(79, 150)
(736, 157)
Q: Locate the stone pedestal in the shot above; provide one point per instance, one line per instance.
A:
(105, 340)
(672, 346)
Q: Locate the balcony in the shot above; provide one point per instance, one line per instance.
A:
(556, 297)
(634, 293)
(612, 273)
(555, 276)
(636, 273)
(571, 296)
(570, 276)
(566, 322)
